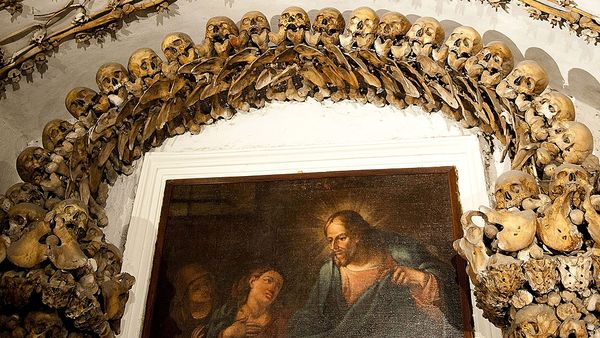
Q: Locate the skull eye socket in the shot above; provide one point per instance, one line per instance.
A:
(497, 59)
(171, 51)
(246, 21)
(515, 188)
(429, 32)
(566, 139)
(467, 43)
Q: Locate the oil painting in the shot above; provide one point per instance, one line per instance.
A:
(332, 254)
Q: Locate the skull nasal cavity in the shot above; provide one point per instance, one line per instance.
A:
(508, 196)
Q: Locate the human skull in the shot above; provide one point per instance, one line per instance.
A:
(329, 22)
(294, 19)
(25, 193)
(492, 64)
(31, 164)
(554, 106)
(72, 214)
(254, 22)
(362, 27)
(534, 321)
(179, 47)
(426, 31)
(220, 29)
(393, 26)
(574, 139)
(568, 177)
(528, 78)
(79, 101)
(144, 63)
(110, 77)
(55, 133)
(575, 271)
(463, 43)
(512, 187)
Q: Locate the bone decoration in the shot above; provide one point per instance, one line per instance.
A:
(521, 254)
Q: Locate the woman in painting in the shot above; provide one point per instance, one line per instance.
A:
(252, 310)
(193, 301)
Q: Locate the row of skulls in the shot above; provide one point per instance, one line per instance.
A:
(545, 207)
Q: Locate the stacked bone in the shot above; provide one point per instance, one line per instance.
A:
(59, 269)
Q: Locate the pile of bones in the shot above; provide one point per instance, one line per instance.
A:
(532, 259)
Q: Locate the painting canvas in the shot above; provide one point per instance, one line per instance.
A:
(333, 254)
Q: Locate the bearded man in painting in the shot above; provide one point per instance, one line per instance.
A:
(364, 291)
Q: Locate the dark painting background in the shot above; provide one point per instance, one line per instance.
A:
(229, 226)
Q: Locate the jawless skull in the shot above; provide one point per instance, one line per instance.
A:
(31, 164)
(568, 177)
(527, 78)
(554, 106)
(362, 27)
(426, 31)
(294, 19)
(144, 64)
(25, 193)
(72, 214)
(80, 100)
(492, 64)
(179, 48)
(393, 26)
(574, 139)
(220, 29)
(110, 77)
(55, 133)
(512, 187)
(254, 22)
(463, 43)
(330, 24)
(534, 321)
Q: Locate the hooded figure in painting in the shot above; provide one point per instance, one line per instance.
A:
(370, 287)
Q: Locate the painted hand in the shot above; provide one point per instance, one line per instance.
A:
(403, 275)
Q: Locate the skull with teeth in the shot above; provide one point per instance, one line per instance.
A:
(361, 29)
(80, 100)
(463, 43)
(426, 31)
(512, 187)
(220, 29)
(294, 19)
(528, 79)
(293, 23)
(179, 48)
(329, 23)
(55, 133)
(254, 22)
(254, 26)
(492, 64)
(111, 77)
(393, 26)
(144, 64)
